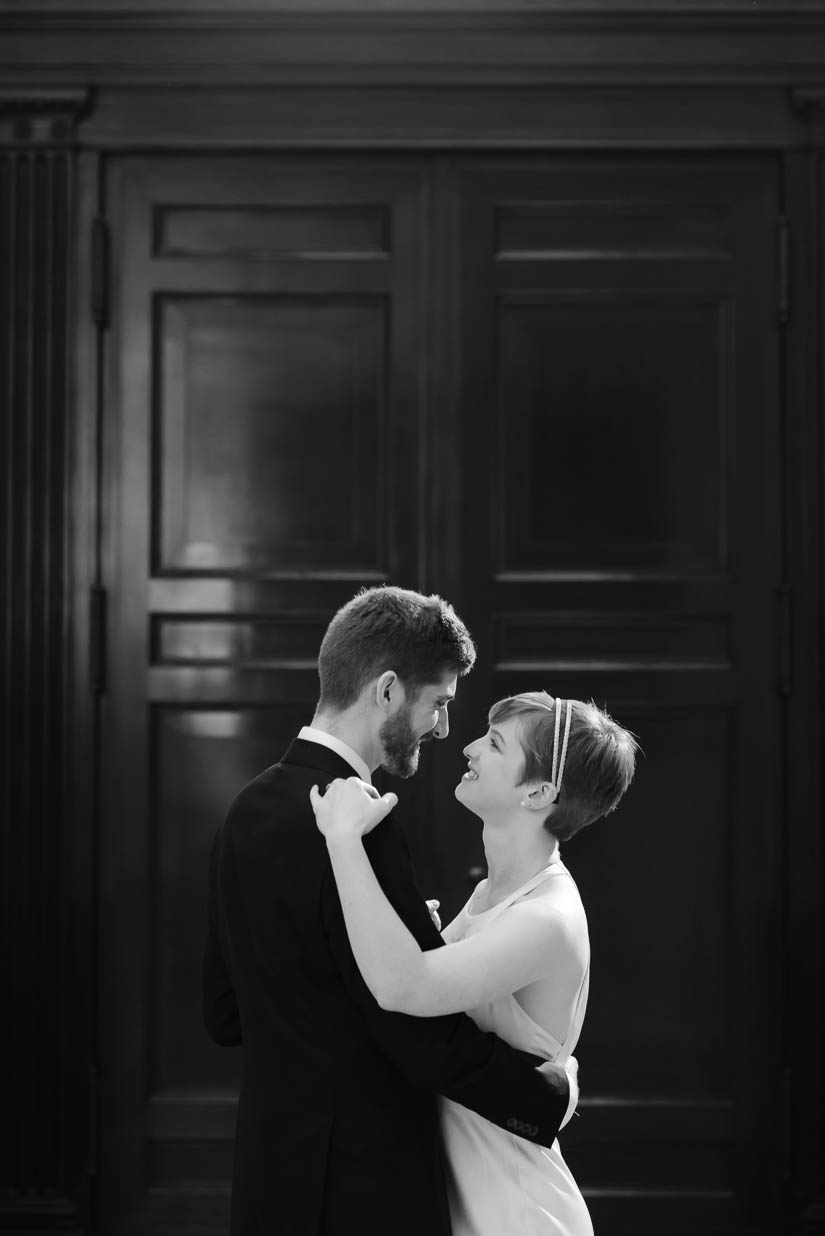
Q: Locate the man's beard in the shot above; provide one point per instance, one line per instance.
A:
(400, 745)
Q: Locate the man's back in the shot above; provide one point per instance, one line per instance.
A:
(328, 1128)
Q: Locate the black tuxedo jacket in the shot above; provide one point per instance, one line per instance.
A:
(337, 1121)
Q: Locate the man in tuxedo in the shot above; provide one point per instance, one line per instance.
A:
(337, 1121)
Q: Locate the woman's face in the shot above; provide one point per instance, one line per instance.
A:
(490, 785)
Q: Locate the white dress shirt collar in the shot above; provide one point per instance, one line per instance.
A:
(310, 734)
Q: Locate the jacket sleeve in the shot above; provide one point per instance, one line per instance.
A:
(445, 1055)
(220, 1007)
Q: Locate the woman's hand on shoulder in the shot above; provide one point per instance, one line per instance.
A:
(349, 809)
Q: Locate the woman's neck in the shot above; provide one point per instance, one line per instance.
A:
(514, 854)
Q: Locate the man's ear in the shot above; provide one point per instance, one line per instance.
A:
(540, 797)
(388, 691)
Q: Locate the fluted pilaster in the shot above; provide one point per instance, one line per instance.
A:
(36, 205)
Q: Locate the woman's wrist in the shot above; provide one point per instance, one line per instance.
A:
(344, 842)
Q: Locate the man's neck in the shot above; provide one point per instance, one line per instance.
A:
(349, 729)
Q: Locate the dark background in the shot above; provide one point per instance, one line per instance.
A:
(517, 303)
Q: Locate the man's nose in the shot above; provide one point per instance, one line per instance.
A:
(442, 727)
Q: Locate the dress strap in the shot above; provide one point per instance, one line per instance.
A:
(556, 867)
(575, 1027)
(566, 1048)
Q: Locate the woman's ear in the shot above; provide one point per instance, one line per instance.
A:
(541, 797)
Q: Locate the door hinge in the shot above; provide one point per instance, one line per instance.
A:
(787, 1129)
(97, 640)
(100, 273)
(784, 638)
(93, 1117)
(783, 270)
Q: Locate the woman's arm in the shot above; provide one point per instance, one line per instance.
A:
(447, 932)
(445, 1055)
(509, 954)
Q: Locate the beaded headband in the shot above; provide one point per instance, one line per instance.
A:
(559, 758)
(558, 773)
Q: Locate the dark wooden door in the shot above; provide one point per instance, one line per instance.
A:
(620, 540)
(264, 396)
(590, 474)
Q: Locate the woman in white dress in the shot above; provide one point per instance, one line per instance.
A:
(517, 956)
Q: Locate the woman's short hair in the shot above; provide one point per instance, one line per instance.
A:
(601, 757)
(388, 628)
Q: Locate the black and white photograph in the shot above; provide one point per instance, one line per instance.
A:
(412, 498)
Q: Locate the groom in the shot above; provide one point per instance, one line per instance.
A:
(337, 1121)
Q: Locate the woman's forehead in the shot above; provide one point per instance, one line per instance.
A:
(508, 728)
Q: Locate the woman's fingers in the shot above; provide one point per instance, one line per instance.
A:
(387, 801)
(350, 806)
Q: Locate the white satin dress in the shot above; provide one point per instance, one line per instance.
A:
(498, 1183)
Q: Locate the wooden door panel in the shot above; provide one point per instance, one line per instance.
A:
(620, 540)
(667, 991)
(265, 389)
(628, 378)
(267, 231)
(271, 422)
(200, 759)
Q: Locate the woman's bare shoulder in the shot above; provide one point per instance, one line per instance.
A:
(558, 904)
(559, 899)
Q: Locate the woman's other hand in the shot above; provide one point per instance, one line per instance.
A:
(349, 808)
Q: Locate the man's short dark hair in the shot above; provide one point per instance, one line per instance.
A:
(388, 628)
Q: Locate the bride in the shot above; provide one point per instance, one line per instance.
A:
(517, 956)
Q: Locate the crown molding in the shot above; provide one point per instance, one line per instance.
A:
(442, 117)
(752, 12)
(554, 42)
(41, 117)
(621, 73)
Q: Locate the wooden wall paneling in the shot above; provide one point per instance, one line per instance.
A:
(652, 76)
(620, 533)
(482, 116)
(264, 403)
(87, 677)
(710, 77)
(42, 1170)
(804, 855)
(269, 44)
(440, 855)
